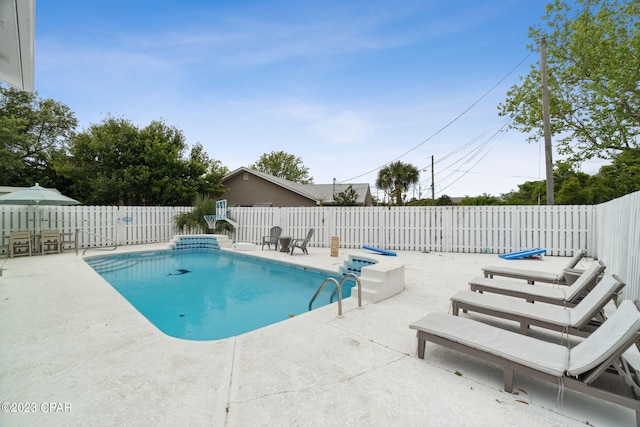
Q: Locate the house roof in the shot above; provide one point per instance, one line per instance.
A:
(320, 193)
(326, 192)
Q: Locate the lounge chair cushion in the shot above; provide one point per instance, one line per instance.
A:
(536, 275)
(576, 317)
(566, 293)
(619, 327)
(593, 302)
(546, 292)
(536, 354)
(517, 307)
(572, 263)
(578, 287)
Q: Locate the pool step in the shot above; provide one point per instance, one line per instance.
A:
(102, 265)
(201, 241)
(354, 264)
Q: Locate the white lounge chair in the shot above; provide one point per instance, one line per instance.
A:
(567, 295)
(594, 367)
(580, 320)
(532, 276)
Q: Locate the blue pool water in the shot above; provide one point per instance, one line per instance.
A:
(208, 294)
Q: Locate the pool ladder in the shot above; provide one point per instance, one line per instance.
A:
(338, 290)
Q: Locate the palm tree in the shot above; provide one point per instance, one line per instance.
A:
(396, 178)
(194, 220)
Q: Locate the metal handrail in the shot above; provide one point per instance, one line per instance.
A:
(338, 290)
(344, 279)
(338, 287)
(109, 248)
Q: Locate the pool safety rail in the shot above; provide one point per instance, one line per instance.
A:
(112, 247)
(221, 215)
(338, 290)
(344, 279)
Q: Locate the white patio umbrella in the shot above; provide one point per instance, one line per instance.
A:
(37, 196)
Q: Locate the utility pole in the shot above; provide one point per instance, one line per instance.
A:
(334, 190)
(546, 120)
(433, 184)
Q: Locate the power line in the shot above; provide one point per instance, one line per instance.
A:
(461, 176)
(472, 154)
(446, 125)
(502, 175)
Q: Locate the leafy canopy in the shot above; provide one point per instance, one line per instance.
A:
(593, 55)
(573, 187)
(283, 165)
(396, 178)
(117, 163)
(348, 197)
(33, 131)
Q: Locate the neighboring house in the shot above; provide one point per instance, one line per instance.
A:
(248, 187)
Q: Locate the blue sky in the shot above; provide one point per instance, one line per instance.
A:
(347, 86)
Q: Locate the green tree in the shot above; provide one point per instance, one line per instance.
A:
(396, 178)
(283, 165)
(528, 193)
(483, 200)
(33, 131)
(593, 62)
(348, 197)
(621, 177)
(571, 187)
(114, 162)
(573, 192)
(420, 202)
(444, 200)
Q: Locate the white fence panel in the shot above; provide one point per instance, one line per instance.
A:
(617, 240)
(610, 231)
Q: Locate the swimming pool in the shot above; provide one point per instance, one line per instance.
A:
(203, 294)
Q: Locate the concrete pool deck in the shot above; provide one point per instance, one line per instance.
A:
(78, 353)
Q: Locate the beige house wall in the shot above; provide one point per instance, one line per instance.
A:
(246, 189)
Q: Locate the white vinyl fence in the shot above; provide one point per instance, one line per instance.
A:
(475, 229)
(616, 234)
(609, 231)
(98, 225)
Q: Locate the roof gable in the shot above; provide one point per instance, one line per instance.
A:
(319, 193)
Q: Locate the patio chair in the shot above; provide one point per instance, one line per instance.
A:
(50, 242)
(20, 243)
(580, 320)
(532, 276)
(302, 244)
(272, 238)
(567, 295)
(594, 367)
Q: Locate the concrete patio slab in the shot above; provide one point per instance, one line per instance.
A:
(67, 338)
